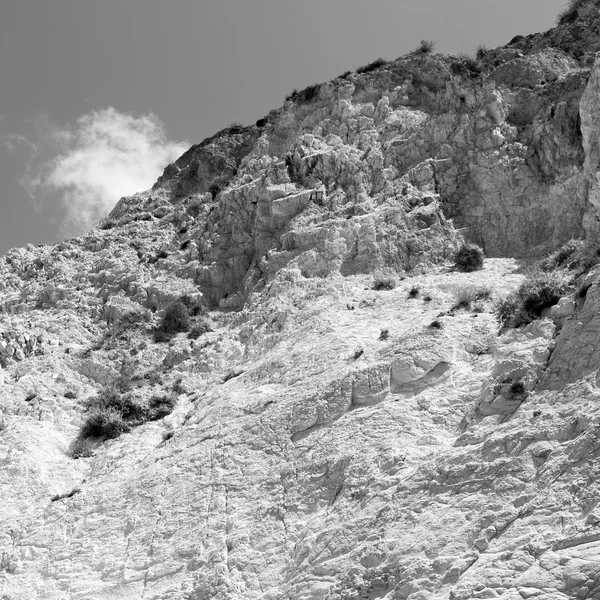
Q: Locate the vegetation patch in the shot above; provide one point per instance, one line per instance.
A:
(424, 47)
(175, 319)
(308, 94)
(376, 64)
(114, 411)
(466, 65)
(568, 256)
(534, 295)
(510, 388)
(468, 297)
(468, 258)
(384, 279)
(160, 406)
(577, 9)
(218, 184)
(414, 292)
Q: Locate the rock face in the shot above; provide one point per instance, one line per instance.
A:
(344, 424)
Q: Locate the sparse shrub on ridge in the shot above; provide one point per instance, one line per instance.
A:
(536, 293)
(424, 47)
(379, 62)
(576, 9)
(481, 52)
(466, 65)
(309, 93)
(469, 257)
(175, 319)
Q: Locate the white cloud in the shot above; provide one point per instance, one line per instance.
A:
(104, 156)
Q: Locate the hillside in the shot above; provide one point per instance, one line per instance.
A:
(264, 378)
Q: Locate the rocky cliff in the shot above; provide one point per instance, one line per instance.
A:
(341, 417)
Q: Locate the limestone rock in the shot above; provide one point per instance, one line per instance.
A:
(326, 439)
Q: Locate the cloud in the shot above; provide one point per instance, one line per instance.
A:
(87, 167)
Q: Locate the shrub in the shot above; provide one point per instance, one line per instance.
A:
(481, 52)
(575, 9)
(384, 279)
(376, 64)
(512, 389)
(175, 319)
(466, 296)
(469, 257)
(104, 422)
(234, 127)
(517, 388)
(435, 324)
(308, 94)
(541, 292)
(534, 295)
(425, 47)
(160, 406)
(384, 335)
(112, 398)
(414, 292)
(111, 413)
(218, 184)
(565, 254)
(466, 65)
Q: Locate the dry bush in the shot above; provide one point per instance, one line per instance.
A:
(376, 64)
(384, 279)
(467, 296)
(469, 257)
(175, 319)
(424, 47)
(534, 295)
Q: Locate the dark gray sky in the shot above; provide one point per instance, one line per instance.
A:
(97, 96)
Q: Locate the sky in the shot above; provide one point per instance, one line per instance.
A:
(98, 96)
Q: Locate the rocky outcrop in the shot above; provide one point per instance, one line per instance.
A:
(344, 423)
(364, 171)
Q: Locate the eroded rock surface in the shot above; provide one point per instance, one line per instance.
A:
(343, 426)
